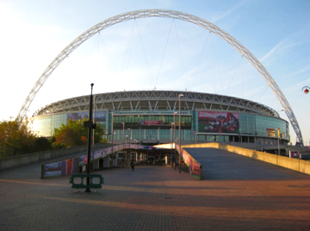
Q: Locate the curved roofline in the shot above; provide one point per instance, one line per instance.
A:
(157, 100)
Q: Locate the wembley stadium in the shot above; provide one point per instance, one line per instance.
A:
(152, 117)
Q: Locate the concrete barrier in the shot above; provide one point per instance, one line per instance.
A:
(304, 166)
(194, 167)
(298, 165)
(14, 161)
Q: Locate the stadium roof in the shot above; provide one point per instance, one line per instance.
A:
(153, 101)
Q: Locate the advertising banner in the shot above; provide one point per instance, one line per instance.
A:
(97, 155)
(116, 148)
(60, 168)
(187, 158)
(218, 122)
(146, 122)
(53, 169)
(83, 160)
(271, 132)
(100, 116)
(193, 165)
(293, 154)
(68, 166)
(105, 152)
(196, 169)
(151, 122)
(77, 116)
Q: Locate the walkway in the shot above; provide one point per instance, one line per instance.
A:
(218, 164)
(158, 198)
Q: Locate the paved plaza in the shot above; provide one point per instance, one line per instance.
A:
(238, 193)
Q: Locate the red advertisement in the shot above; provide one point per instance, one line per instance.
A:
(151, 122)
(186, 157)
(69, 166)
(293, 154)
(219, 122)
(196, 170)
(271, 132)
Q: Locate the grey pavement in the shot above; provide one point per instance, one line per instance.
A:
(261, 197)
(222, 165)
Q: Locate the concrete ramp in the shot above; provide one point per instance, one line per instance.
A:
(219, 164)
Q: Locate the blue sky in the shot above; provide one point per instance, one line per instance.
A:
(159, 53)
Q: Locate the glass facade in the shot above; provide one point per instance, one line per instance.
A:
(45, 125)
(263, 126)
(249, 128)
(150, 121)
(150, 126)
(199, 126)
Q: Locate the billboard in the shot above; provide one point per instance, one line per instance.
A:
(77, 116)
(100, 116)
(69, 166)
(151, 122)
(292, 154)
(60, 168)
(271, 132)
(194, 167)
(218, 122)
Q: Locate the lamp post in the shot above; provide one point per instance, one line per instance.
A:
(171, 131)
(158, 133)
(278, 134)
(175, 165)
(171, 138)
(90, 126)
(112, 139)
(123, 133)
(94, 122)
(180, 157)
(129, 136)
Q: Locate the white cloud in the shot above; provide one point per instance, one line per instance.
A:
(287, 45)
(228, 12)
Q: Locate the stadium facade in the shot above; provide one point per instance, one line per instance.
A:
(152, 117)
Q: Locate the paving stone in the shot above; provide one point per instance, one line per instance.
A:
(158, 198)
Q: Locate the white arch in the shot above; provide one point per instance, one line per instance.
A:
(165, 14)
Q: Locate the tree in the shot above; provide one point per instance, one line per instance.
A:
(70, 137)
(74, 133)
(42, 144)
(16, 137)
(99, 133)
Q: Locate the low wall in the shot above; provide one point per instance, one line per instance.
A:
(298, 165)
(193, 165)
(14, 161)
